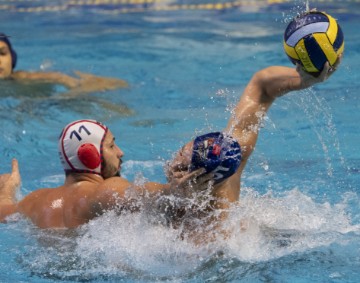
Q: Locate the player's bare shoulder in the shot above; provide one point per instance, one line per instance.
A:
(116, 184)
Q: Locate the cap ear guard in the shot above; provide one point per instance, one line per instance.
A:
(89, 155)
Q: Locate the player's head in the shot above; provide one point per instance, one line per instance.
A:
(87, 146)
(8, 56)
(216, 152)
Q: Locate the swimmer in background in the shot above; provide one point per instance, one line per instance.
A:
(92, 162)
(84, 83)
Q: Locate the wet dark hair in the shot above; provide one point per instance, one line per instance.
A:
(5, 38)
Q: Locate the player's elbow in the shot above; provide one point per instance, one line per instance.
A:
(263, 81)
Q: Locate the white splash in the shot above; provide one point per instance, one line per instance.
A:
(278, 226)
(261, 228)
(134, 244)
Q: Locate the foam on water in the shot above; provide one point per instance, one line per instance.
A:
(278, 226)
(134, 244)
(140, 246)
(262, 227)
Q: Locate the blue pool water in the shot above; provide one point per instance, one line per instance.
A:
(186, 68)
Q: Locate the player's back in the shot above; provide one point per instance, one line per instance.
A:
(67, 206)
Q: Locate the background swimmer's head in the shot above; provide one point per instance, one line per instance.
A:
(5, 39)
(216, 152)
(81, 147)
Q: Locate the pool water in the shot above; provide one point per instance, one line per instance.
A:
(186, 68)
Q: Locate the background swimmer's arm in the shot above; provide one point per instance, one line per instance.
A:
(85, 83)
(47, 77)
(90, 83)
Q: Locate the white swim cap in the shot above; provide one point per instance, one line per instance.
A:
(80, 146)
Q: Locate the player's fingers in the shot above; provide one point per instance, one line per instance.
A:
(14, 167)
(338, 61)
(194, 174)
(205, 178)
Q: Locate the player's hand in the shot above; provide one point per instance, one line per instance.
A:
(88, 83)
(185, 183)
(308, 79)
(10, 182)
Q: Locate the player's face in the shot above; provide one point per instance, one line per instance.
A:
(181, 161)
(112, 157)
(5, 61)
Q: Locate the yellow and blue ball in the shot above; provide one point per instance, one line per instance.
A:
(312, 39)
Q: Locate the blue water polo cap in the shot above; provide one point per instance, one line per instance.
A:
(217, 153)
(5, 38)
